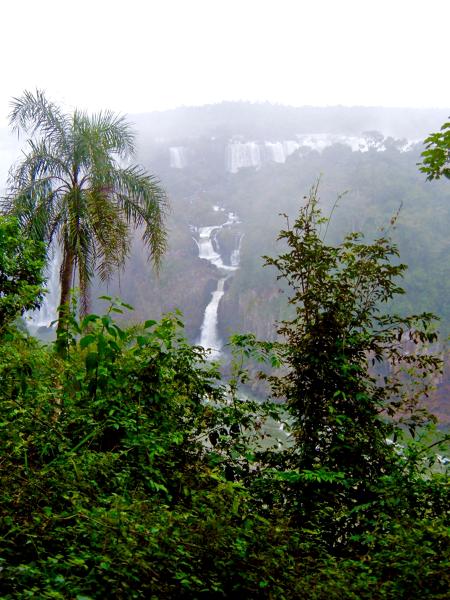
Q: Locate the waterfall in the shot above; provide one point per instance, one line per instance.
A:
(207, 240)
(48, 312)
(205, 245)
(236, 254)
(178, 158)
(242, 154)
(290, 146)
(320, 141)
(276, 151)
(209, 336)
(208, 249)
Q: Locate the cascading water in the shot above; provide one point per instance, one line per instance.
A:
(240, 155)
(206, 241)
(236, 254)
(276, 151)
(42, 318)
(209, 335)
(207, 249)
(178, 159)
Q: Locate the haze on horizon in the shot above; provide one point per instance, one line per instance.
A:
(140, 56)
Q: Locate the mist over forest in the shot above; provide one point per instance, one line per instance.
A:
(243, 421)
(224, 300)
(274, 121)
(367, 155)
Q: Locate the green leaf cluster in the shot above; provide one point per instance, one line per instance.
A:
(436, 156)
(21, 272)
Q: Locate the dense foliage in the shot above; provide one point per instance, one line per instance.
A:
(21, 265)
(342, 409)
(129, 469)
(436, 156)
(338, 293)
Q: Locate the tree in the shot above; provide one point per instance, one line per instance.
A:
(21, 266)
(436, 156)
(350, 383)
(70, 188)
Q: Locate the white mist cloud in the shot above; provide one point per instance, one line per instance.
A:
(143, 55)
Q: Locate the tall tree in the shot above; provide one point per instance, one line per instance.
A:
(71, 187)
(350, 383)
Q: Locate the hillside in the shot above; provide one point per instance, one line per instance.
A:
(258, 161)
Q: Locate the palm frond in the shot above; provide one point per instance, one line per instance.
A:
(31, 209)
(104, 133)
(144, 203)
(36, 186)
(33, 113)
(112, 238)
(38, 164)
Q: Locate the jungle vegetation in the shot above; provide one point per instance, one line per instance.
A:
(131, 468)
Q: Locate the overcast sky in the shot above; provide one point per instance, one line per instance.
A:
(142, 55)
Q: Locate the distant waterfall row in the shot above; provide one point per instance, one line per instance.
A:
(239, 154)
(252, 154)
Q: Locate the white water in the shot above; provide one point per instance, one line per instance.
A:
(279, 151)
(206, 247)
(208, 250)
(276, 151)
(209, 336)
(178, 158)
(240, 155)
(49, 309)
(207, 240)
(243, 154)
(235, 258)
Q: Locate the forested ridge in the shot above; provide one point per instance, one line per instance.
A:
(373, 185)
(133, 466)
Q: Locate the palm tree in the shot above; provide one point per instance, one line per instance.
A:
(71, 187)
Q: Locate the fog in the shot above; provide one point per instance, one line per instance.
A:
(143, 56)
(140, 56)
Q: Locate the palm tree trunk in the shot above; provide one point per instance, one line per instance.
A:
(66, 284)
